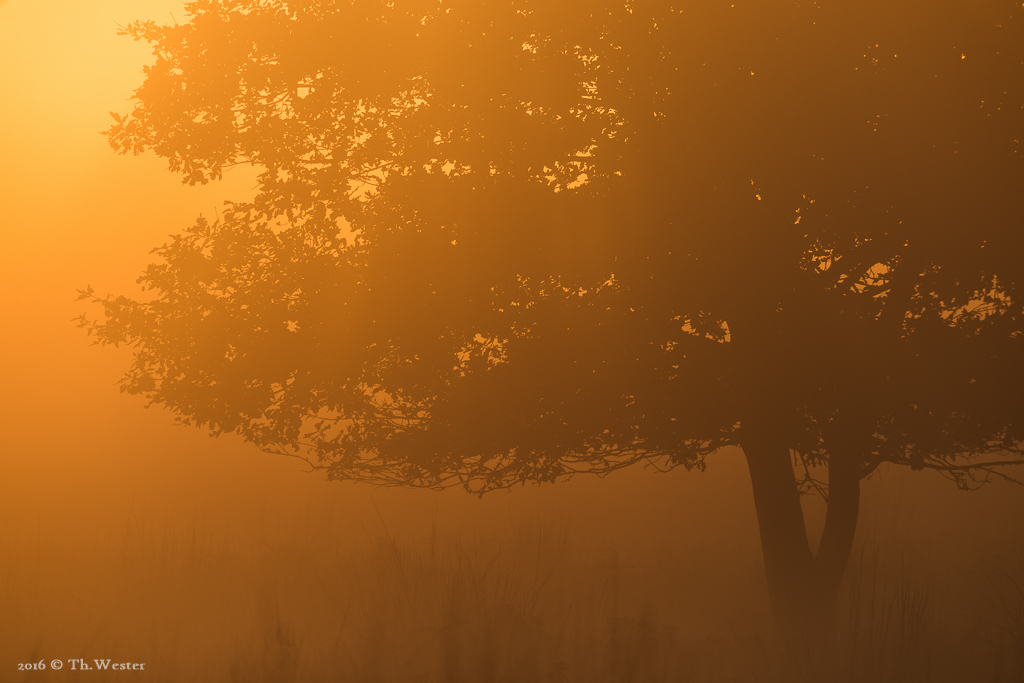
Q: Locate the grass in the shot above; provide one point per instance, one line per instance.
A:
(530, 605)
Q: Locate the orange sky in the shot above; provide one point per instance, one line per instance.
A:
(77, 453)
(76, 450)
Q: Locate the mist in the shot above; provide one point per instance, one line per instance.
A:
(127, 537)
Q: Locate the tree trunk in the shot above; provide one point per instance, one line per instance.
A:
(788, 563)
(803, 587)
(840, 523)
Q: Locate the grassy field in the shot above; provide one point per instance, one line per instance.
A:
(528, 604)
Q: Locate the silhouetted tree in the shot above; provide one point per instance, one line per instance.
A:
(503, 241)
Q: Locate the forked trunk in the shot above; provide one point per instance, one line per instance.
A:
(803, 587)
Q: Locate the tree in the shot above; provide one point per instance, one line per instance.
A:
(508, 241)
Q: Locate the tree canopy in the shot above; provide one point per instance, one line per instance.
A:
(504, 241)
(500, 241)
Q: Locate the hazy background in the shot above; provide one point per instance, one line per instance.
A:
(85, 470)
